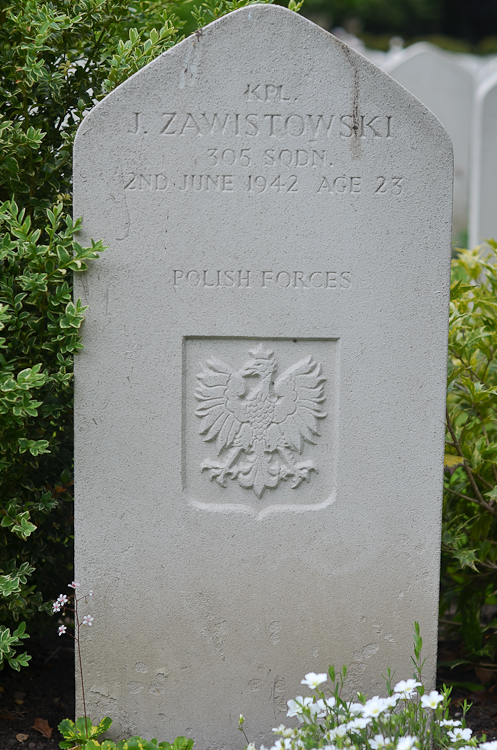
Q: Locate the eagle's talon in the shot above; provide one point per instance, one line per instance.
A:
(219, 472)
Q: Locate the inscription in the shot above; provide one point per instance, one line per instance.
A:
(229, 157)
(209, 278)
(136, 126)
(258, 429)
(265, 92)
(385, 185)
(268, 183)
(259, 184)
(366, 126)
(279, 695)
(254, 684)
(146, 181)
(251, 279)
(340, 185)
(299, 157)
(207, 182)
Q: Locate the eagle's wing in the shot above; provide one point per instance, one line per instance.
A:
(221, 409)
(299, 406)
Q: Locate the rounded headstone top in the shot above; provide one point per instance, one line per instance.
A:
(256, 43)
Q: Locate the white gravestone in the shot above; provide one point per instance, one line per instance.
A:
(483, 197)
(260, 400)
(447, 89)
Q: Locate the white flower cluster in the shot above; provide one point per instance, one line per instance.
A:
(59, 603)
(408, 719)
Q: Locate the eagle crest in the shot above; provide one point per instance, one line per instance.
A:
(258, 429)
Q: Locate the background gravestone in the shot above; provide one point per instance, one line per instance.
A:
(483, 204)
(447, 89)
(260, 400)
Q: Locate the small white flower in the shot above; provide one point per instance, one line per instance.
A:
(432, 700)
(323, 706)
(355, 708)
(406, 743)
(406, 687)
(59, 602)
(313, 680)
(316, 710)
(90, 593)
(62, 629)
(73, 585)
(374, 706)
(391, 701)
(250, 746)
(283, 730)
(339, 731)
(380, 742)
(87, 620)
(460, 734)
(488, 745)
(358, 724)
(451, 723)
(295, 706)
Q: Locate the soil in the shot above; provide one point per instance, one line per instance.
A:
(45, 690)
(477, 685)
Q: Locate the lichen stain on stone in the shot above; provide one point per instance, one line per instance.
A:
(191, 62)
(355, 140)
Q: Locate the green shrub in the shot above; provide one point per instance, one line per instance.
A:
(41, 333)
(82, 735)
(57, 59)
(469, 543)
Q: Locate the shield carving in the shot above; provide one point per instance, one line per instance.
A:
(261, 426)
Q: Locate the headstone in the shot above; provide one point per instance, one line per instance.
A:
(487, 67)
(260, 400)
(483, 199)
(447, 89)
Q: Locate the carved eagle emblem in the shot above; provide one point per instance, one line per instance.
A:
(259, 422)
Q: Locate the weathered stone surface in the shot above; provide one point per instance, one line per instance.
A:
(483, 214)
(278, 215)
(446, 88)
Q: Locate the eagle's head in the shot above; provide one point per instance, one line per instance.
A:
(262, 362)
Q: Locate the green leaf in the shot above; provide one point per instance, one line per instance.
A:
(466, 558)
(451, 461)
(458, 289)
(104, 725)
(67, 728)
(473, 687)
(84, 726)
